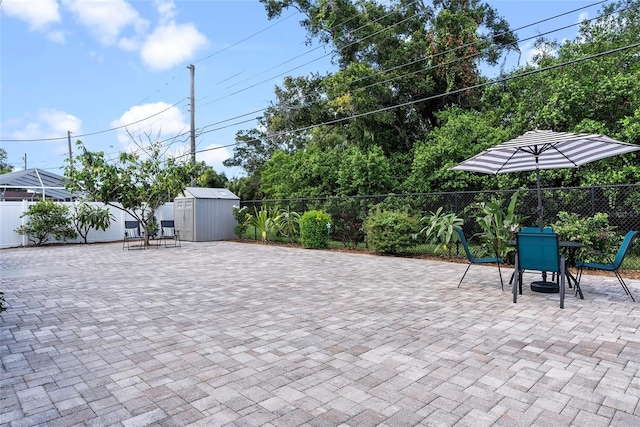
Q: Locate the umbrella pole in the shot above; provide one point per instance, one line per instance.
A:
(540, 213)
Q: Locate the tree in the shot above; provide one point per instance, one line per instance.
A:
(209, 178)
(4, 166)
(86, 217)
(597, 95)
(461, 134)
(47, 219)
(137, 184)
(390, 55)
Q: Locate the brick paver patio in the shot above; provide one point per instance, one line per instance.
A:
(223, 333)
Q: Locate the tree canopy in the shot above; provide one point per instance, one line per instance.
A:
(409, 99)
(138, 183)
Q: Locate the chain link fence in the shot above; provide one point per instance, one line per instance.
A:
(620, 202)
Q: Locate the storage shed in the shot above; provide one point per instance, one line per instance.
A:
(205, 214)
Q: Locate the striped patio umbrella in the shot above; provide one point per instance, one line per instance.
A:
(545, 149)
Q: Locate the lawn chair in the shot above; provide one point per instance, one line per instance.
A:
(614, 265)
(132, 233)
(538, 252)
(474, 260)
(168, 232)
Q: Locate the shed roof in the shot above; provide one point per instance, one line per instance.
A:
(39, 181)
(209, 193)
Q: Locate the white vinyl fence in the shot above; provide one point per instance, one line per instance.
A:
(10, 220)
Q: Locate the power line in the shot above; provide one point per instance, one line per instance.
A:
(436, 55)
(407, 63)
(318, 47)
(202, 131)
(97, 132)
(429, 98)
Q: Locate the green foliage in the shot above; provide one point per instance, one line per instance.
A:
(209, 178)
(498, 226)
(288, 223)
(348, 216)
(461, 134)
(264, 220)
(595, 232)
(314, 229)
(86, 217)
(390, 232)
(440, 228)
(47, 219)
(4, 166)
(363, 173)
(241, 215)
(137, 184)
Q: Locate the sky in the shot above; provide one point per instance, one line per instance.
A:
(104, 69)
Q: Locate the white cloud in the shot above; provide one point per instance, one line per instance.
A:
(49, 123)
(166, 10)
(107, 19)
(159, 121)
(172, 44)
(56, 36)
(39, 14)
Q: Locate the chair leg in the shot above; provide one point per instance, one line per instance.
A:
(562, 278)
(500, 273)
(516, 277)
(624, 285)
(465, 273)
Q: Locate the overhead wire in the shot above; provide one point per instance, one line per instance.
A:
(449, 93)
(304, 64)
(246, 38)
(433, 56)
(97, 132)
(318, 47)
(202, 131)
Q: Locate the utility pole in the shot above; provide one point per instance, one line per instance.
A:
(193, 114)
(69, 138)
(25, 161)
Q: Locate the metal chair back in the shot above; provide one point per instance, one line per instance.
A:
(624, 248)
(539, 252)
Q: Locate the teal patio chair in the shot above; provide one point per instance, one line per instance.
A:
(471, 257)
(538, 252)
(614, 265)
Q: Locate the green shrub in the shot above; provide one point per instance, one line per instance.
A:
(46, 220)
(595, 232)
(440, 228)
(347, 216)
(390, 232)
(498, 225)
(241, 215)
(314, 229)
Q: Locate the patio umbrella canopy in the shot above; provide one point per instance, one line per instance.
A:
(545, 149)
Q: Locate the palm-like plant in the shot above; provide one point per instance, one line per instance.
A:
(264, 221)
(440, 227)
(498, 226)
(288, 223)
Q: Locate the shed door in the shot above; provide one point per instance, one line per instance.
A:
(184, 220)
